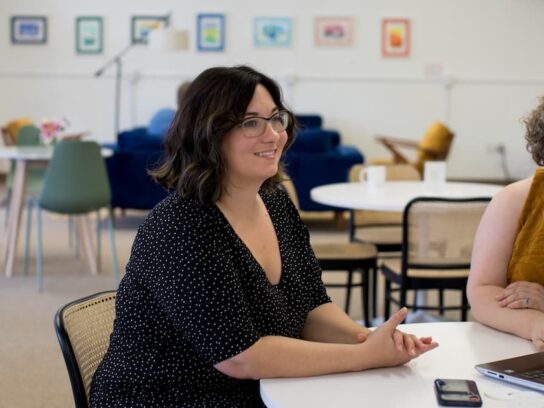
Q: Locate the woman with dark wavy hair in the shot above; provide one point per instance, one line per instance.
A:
(222, 287)
(506, 281)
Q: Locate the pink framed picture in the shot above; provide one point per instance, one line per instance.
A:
(333, 31)
(396, 37)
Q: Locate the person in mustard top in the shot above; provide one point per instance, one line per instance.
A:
(506, 280)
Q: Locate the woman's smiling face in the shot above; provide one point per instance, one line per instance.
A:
(254, 159)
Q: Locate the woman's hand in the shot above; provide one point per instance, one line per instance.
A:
(537, 333)
(394, 347)
(414, 345)
(522, 295)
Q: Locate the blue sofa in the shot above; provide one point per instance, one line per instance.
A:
(316, 158)
(136, 151)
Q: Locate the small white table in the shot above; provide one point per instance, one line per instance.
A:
(25, 157)
(394, 195)
(462, 346)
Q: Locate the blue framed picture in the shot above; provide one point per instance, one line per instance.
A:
(28, 30)
(210, 32)
(273, 31)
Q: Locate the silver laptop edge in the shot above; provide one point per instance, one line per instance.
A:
(510, 379)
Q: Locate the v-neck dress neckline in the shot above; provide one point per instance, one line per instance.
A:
(246, 249)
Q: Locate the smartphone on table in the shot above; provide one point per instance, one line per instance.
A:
(457, 393)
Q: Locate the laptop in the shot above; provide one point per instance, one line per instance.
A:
(527, 371)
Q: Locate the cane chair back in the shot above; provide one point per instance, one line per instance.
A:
(83, 329)
(381, 228)
(437, 242)
(441, 233)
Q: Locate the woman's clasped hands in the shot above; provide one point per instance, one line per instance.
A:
(526, 295)
(394, 347)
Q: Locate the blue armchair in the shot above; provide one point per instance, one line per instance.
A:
(136, 151)
(316, 158)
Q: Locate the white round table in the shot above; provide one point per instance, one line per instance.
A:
(462, 346)
(394, 195)
(24, 157)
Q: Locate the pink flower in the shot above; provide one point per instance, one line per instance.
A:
(52, 129)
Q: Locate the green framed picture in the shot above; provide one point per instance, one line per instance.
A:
(89, 35)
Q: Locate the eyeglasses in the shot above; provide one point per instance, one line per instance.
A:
(255, 126)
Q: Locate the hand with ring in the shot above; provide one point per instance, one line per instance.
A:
(537, 333)
(522, 295)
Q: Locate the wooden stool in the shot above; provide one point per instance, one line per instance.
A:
(351, 257)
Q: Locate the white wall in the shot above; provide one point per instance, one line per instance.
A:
(485, 57)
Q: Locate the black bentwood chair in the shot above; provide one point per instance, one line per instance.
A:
(83, 329)
(380, 228)
(437, 243)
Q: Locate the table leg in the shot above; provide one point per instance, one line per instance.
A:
(87, 242)
(15, 211)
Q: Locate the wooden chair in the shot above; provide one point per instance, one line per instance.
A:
(83, 329)
(437, 238)
(435, 145)
(11, 129)
(351, 257)
(380, 228)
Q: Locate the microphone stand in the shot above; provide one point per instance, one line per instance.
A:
(118, 76)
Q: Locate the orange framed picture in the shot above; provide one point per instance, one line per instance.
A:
(395, 37)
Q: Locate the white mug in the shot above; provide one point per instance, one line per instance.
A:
(434, 174)
(373, 175)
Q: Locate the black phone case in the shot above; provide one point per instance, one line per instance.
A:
(469, 397)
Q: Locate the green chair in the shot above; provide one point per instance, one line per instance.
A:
(28, 135)
(75, 183)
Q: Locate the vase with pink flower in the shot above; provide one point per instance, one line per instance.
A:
(52, 130)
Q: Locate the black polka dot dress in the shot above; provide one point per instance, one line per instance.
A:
(193, 296)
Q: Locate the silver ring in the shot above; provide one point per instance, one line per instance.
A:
(526, 302)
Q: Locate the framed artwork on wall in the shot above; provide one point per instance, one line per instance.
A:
(273, 31)
(396, 37)
(210, 32)
(89, 35)
(333, 31)
(141, 26)
(28, 30)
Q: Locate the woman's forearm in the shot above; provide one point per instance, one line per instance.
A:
(486, 309)
(275, 356)
(330, 324)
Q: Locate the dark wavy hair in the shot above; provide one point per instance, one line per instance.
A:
(213, 104)
(534, 135)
